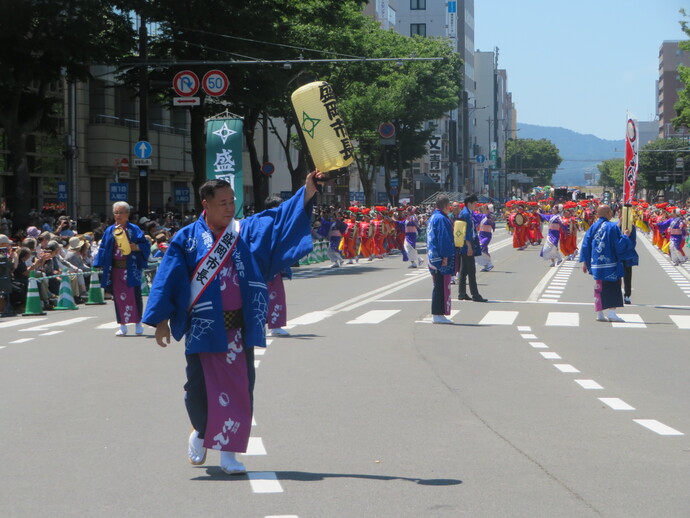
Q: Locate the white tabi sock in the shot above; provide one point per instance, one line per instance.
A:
(612, 313)
(600, 315)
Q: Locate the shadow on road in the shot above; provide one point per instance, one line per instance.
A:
(215, 473)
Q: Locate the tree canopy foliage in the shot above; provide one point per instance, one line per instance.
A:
(612, 173)
(42, 44)
(683, 105)
(538, 159)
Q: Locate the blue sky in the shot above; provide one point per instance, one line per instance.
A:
(580, 64)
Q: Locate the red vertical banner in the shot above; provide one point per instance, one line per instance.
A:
(631, 161)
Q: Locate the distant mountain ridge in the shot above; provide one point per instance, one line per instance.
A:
(579, 152)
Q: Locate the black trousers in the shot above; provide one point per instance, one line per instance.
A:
(438, 301)
(627, 281)
(468, 272)
(195, 389)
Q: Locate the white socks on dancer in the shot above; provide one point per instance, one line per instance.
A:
(613, 316)
(601, 317)
(139, 329)
(122, 331)
(196, 453)
(230, 465)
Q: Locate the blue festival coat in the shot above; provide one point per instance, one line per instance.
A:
(471, 235)
(440, 243)
(136, 261)
(603, 250)
(269, 242)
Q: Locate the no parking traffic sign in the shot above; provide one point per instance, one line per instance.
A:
(215, 83)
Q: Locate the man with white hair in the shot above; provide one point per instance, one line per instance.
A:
(123, 255)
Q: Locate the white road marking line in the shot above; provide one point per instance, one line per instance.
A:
(310, 318)
(565, 367)
(682, 321)
(656, 426)
(260, 351)
(375, 316)
(21, 341)
(556, 318)
(551, 356)
(366, 298)
(536, 292)
(264, 482)
(538, 345)
(45, 326)
(550, 297)
(616, 403)
(631, 320)
(427, 319)
(255, 447)
(553, 292)
(499, 318)
(558, 283)
(51, 333)
(524, 328)
(589, 384)
(2, 346)
(529, 336)
(257, 363)
(12, 323)
(108, 325)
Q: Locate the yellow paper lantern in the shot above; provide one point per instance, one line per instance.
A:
(122, 240)
(322, 126)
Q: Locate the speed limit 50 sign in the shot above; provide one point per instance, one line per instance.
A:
(215, 83)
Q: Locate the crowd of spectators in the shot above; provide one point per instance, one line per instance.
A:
(52, 244)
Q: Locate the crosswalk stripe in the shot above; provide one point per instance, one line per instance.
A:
(12, 323)
(682, 321)
(499, 318)
(375, 316)
(551, 356)
(616, 403)
(538, 345)
(589, 384)
(264, 482)
(255, 447)
(565, 367)
(656, 426)
(46, 325)
(21, 340)
(631, 320)
(555, 318)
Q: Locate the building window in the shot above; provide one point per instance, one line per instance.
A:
(417, 5)
(418, 28)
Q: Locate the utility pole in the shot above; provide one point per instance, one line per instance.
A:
(143, 115)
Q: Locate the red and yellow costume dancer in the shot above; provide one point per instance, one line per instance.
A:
(378, 232)
(366, 241)
(568, 240)
(534, 232)
(519, 222)
(349, 242)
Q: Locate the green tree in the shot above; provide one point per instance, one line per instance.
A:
(538, 159)
(658, 160)
(611, 173)
(44, 43)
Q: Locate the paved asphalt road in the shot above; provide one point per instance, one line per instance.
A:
(526, 407)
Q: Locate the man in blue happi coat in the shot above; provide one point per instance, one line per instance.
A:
(440, 259)
(211, 289)
(603, 251)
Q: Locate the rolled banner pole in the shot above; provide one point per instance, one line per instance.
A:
(321, 128)
(627, 214)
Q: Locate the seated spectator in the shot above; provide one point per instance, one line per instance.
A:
(76, 252)
(8, 262)
(20, 279)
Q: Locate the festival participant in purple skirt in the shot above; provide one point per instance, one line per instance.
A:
(210, 289)
(276, 318)
(486, 228)
(410, 247)
(550, 251)
(677, 230)
(123, 255)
